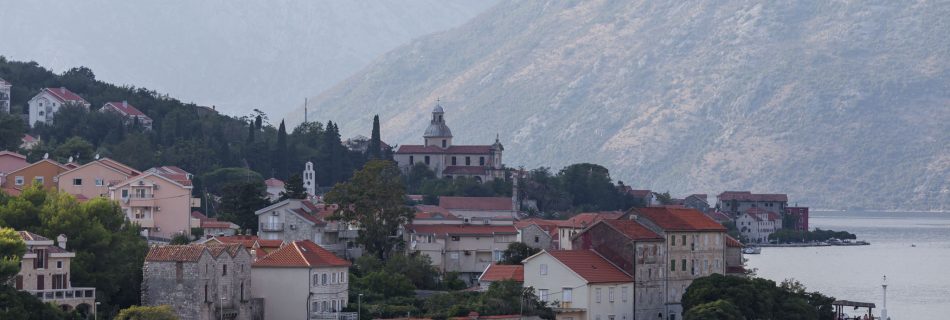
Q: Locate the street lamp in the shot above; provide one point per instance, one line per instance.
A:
(359, 307)
(95, 311)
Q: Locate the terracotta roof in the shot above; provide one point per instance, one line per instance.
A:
(461, 229)
(760, 214)
(590, 266)
(303, 253)
(499, 272)
(119, 166)
(172, 173)
(466, 170)
(213, 223)
(678, 219)
(639, 193)
(42, 161)
(198, 215)
(64, 95)
(265, 243)
(583, 220)
(125, 108)
(719, 216)
(749, 196)
(732, 242)
(476, 203)
(471, 149)
(27, 138)
(272, 182)
(184, 253)
(29, 236)
(633, 230)
(428, 212)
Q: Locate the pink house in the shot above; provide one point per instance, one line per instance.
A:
(11, 161)
(159, 200)
(94, 178)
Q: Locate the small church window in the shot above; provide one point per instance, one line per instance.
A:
(443, 143)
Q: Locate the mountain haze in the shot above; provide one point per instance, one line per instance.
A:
(840, 104)
(235, 54)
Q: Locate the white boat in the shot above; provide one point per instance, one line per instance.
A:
(752, 250)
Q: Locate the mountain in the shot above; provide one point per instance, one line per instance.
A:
(237, 55)
(838, 104)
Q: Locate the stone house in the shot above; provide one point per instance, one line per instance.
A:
(94, 178)
(299, 219)
(5, 96)
(580, 285)
(481, 162)
(466, 249)
(800, 215)
(569, 228)
(159, 200)
(735, 263)
(42, 172)
(538, 233)
(45, 273)
(735, 202)
(129, 112)
(301, 280)
(201, 282)
(636, 250)
(259, 248)
(755, 224)
(694, 247)
(500, 272)
(46, 103)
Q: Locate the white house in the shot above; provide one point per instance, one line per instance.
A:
(580, 284)
(5, 95)
(756, 224)
(128, 112)
(274, 188)
(46, 103)
(301, 280)
(299, 219)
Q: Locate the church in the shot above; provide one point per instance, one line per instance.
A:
(481, 162)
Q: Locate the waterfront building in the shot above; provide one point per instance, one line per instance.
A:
(756, 224)
(735, 263)
(735, 202)
(45, 272)
(800, 215)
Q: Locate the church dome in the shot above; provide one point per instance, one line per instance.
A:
(437, 130)
(438, 108)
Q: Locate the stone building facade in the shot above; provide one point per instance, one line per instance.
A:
(201, 282)
(297, 219)
(735, 202)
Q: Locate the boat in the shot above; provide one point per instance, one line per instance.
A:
(752, 250)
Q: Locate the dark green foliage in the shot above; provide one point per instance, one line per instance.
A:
(373, 199)
(21, 305)
(788, 235)
(294, 188)
(716, 310)
(374, 148)
(664, 198)
(280, 154)
(75, 148)
(11, 131)
(417, 268)
(12, 248)
(239, 200)
(163, 312)
(516, 252)
(215, 181)
(755, 298)
(181, 238)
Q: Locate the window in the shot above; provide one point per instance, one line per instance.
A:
(323, 279)
(410, 161)
(481, 161)
(100, 182)
(59, 264)
(684, 239)
(497, 255)
(333, 305)
(623, 294)
(59, 281)
(673, 265)
(610, 294)
(334, 278)
(19, 180)
(125, 193)
(567, 294)
(453, 160)
(77, 182)
(468, 161)
(427, 159)
(40, 261)
(543, 295)
(683, 266)
(342, 277)
(443, 143)
(242, 290)
(324, 306)
(455, 238)
(39, 179)
(315, 306)
(179, 271)
(537, 239)
(544, 269)
(672, 241)
(597, 295)
(316, 280)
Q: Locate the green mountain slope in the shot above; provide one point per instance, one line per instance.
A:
(841, 105)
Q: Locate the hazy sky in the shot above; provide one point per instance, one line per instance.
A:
(237, 55)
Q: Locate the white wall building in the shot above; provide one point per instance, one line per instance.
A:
(46, 103)
(755, 224)
(581, 285)
(301, 280)
(5, 96)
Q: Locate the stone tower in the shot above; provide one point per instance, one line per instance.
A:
(309, 179)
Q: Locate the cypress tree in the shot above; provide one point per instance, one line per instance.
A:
(375, 144)
(280, 152)
(250, 134)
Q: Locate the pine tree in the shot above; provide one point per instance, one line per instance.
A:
(375, 144)
(281, 152)
(250, 133)
(259, 122)
(294, 188)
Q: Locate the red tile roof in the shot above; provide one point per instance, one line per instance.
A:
(118, 166)
(182, 253)
(173, 173)
(732, 242)
(64, 95)
(678, 219)
(585, 219)
(125, 108)
(465, 170)
(29, 236)
(590, 266)
(461, 229)
(471, 149)
(272, 182)
(428, 212)
(749, 196)
(304, 254)
(499, 272)
(12, 161)
(633, 230)
(27, 138)
(476, 203)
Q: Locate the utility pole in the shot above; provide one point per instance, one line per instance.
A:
(884, 308)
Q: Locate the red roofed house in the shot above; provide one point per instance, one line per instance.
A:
(734, 262)
(258, 247)
(570, 227)
(46, 103)
(538, 233)
(159, 200)
(756, 224)
(301, 278)
(45, 273)
(130, 113)
(734, 202)
(636, 250)
(212, 226)
(694, 247)
(93, 179)
(11, 161)
(274, 188)
(580, 284)
(428, 214)
(201, 281)
(480, 209)
(500, 272)
(299, 219)
(481, 162)
(464, 248)
(28, 142)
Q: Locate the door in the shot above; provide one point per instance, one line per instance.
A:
(40, 282)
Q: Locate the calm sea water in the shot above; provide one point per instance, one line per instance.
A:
(918, 277)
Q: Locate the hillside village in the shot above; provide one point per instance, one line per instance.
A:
(296, 256)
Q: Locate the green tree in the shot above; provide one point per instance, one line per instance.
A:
(664, 198)
(239, 201)
(11, 131)
(180, 239)
(294, 188)
(22, 305)
(516, 252)
(373, 199)
(78, 148)
(216, 180)
(11, 249)
(374, 148)
(716, 310)
(281, 153)
(163, 312)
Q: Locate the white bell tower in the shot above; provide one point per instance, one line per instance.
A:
(309, 179)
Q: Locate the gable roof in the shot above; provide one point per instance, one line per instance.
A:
(499, 272)
(147, 174)
(462, 229)
(459, 149)
(632, 230)
(678, 219)
(590, 266)
(476, 203)
(64, 95)
(11, 161)
(749, 196)
(586, 219)
(732, 242)
(429, 212)
(191, 252)
(47, 161)
(173, 173)
(273, 182)
(29, 236)
(301, 254)
(125, 108)
(108, 164)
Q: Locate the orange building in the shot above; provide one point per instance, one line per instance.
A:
(43, 172)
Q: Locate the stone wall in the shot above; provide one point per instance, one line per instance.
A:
(535, 237)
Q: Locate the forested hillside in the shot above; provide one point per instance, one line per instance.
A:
(838, 104)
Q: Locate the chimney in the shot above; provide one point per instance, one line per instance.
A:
(125, 104)
(61, 241)
(514, 193)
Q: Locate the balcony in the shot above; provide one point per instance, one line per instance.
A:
(144, 223)
(147, 201)
(320, 315)
(348, 234)
(73, 295)
(272, 226)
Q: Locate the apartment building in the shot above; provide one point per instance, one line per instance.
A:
(467, 248)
